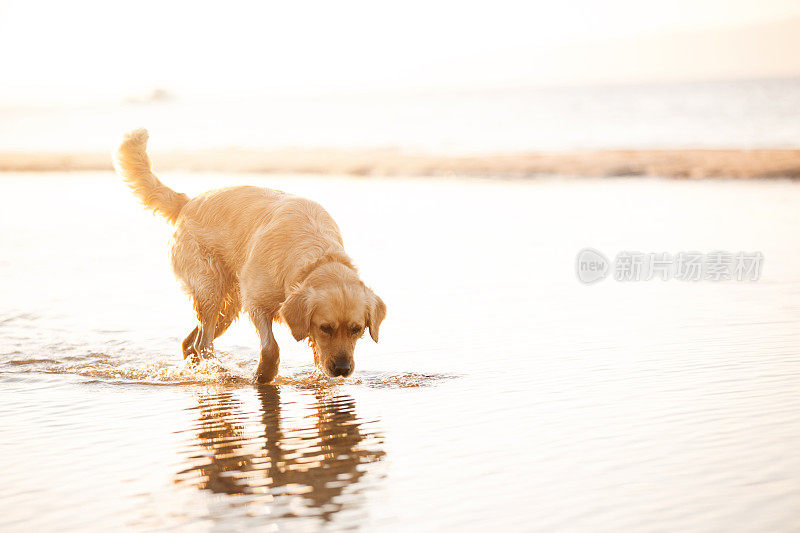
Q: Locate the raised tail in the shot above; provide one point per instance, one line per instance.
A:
(133, 165)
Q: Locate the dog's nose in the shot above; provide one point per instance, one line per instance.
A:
(341, 367)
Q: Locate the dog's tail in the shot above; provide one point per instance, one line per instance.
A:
(133, 165)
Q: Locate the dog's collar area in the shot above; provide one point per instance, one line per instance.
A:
(335, 256)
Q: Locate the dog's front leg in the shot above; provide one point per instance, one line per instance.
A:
(270, 354)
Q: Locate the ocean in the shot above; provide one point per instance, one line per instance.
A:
(734, 114)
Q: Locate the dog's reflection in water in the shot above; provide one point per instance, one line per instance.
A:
(309, 456)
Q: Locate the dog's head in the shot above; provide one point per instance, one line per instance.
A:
(332, 308)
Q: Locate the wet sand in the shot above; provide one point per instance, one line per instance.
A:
(388, 162)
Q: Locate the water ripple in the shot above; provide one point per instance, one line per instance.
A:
(312, 456)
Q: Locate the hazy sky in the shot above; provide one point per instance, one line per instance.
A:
(89, 49)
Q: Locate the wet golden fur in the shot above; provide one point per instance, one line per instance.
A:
(275, 255)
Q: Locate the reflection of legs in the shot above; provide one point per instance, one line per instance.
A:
(270, 354)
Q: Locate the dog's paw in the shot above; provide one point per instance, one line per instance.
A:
(194, 358)
(188, 349)
(265, 373)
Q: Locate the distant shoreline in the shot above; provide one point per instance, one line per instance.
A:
(691, 163)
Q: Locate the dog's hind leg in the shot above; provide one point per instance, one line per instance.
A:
(213, 288)
(208, 314)
(231, 306)
(188, 343)
(229, 312)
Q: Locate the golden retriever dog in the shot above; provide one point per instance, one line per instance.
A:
(275, 255)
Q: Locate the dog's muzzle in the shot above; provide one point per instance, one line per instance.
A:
(340, 367)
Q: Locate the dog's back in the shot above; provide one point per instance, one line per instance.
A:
(236, 222)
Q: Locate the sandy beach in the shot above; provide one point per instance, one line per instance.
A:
(763, 163)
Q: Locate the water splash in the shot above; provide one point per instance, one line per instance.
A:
(315, 379)
(224, 369)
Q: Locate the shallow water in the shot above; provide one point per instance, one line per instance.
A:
(723, 114)
(503, 393)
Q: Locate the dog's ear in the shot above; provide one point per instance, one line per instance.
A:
(296, 312)
(376, 312)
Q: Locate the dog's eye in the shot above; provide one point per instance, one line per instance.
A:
(356, 330)
(327, 329)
